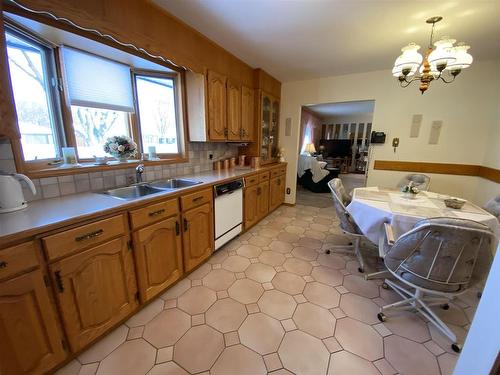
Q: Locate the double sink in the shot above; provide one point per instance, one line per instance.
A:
(148, 188)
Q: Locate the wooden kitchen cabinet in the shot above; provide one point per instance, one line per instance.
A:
(276, 192)
(217, 126)
(197, 235)
(31, 342)
(95, 290)
(247, 114)
(234, 130)
(262, 199)
(250, 210)
(158, 256)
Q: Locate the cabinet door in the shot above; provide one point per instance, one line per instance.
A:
(217, 127)
(277, 192)
(158, 256)
(198, 235)
(30, 338)
(263, 199)
(250, 199)
(95, 289)
(247, 114)
(233, 111)
(266, 128)
(274, 132)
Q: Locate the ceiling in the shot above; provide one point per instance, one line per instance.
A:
(359, 107)
(303, 39)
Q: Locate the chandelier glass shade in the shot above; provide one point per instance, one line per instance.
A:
(443, 60)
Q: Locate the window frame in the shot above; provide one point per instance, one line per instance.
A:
(62, 110)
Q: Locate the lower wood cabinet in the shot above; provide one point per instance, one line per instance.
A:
(158, 256)
(95, 290)
(263, 199)
(276, 192)
(30, 339)
(197, 235)
(250, 209)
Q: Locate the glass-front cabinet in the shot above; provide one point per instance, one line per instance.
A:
(270, 128)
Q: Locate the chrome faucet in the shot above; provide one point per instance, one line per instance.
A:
(139, 170)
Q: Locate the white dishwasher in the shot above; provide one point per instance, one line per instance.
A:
(228, 211)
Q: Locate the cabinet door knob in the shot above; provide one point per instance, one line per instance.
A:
(3, 264)
(59, 281)
(186, 225)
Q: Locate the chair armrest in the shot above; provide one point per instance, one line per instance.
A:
(389, 234)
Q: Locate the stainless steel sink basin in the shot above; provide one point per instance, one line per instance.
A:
(132, 192)
(173, 183)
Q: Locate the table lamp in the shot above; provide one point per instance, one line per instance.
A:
(310, 149)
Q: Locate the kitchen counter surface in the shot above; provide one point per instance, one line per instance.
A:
(49, 214)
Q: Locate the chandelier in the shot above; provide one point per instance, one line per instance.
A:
(443, 61)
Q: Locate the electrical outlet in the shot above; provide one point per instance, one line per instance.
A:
(288, 191)
(210, 156)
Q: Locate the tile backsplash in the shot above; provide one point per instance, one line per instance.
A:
(51, 187)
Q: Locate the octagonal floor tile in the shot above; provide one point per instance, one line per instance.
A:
(197, 300)
(259, 241)
(169, 368)
(359, 338)
(219, 279)
(226, 315)
(334, 261)
(132, 357)
(236, 263)
(239, 360)
(345, 363)
(310, 242)
(277, 304)
(322, 295)
(177, 290)
(272, 258)
(249, 251)
(327, 275)
(360, 286)
(220, 255)
(303, 354)
(305, 253)
(294, 229)
(200, 272)
(289, 283)
(407, 324)
(198, 349)
(298, 266)
(314, 320)
(167, 327)
(261, 333)
(106, 345)
(260, 272)
(246, 291)
(286, 238)
(410, 358)
(360, 308)
(146, 314)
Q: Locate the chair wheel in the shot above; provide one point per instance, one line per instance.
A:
(456, 347)
(361, 270)
(385, 286)
(382, 318)
(445, 306)
(327, 251)
(479, 295)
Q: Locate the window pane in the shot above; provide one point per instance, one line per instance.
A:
(93, 126)
(156, 101)
(31, 95)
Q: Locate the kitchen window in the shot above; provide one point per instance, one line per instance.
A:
(66, 96)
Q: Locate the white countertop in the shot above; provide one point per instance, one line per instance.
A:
(48, 214)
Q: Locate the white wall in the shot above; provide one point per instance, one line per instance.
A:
(348, 119)
(468, 108)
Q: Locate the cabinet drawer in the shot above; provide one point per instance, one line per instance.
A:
(18, 258)
(264, 176)
(278, 171)
(75, 239)
(252, 180)
(153, 212)
(196, 199)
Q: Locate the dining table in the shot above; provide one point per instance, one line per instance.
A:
(371, 207)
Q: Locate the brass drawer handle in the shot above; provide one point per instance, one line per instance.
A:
(3, 264)
(156, 213)
(90, 235)
(197, 199)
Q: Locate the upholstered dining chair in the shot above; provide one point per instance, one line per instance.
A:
(340, 200)
(421, 181)
(435, 262)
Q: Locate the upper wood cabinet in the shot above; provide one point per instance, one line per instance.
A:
(158, 256)
(269, 132)
(247, 114)
(217, 126)
(234, 130)
(95, 289)
(198, 235)
(31, 342)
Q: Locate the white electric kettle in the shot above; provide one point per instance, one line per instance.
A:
(11, 192)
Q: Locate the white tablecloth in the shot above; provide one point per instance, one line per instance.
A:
(372, 207)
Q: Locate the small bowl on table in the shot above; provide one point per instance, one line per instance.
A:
(454, 203)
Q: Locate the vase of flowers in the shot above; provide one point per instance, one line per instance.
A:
(120, 147)
(410, 191)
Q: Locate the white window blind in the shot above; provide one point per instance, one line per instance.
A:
(97, 82)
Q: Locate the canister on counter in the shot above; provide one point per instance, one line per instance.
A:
(232, 162)
(217, 165)
(225, 164)
(255, 162)
(241, 160)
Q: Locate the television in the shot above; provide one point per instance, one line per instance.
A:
(336, 148)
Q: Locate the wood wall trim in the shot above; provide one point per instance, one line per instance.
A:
(488, 173)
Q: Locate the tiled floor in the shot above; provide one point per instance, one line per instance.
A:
(272, 301)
